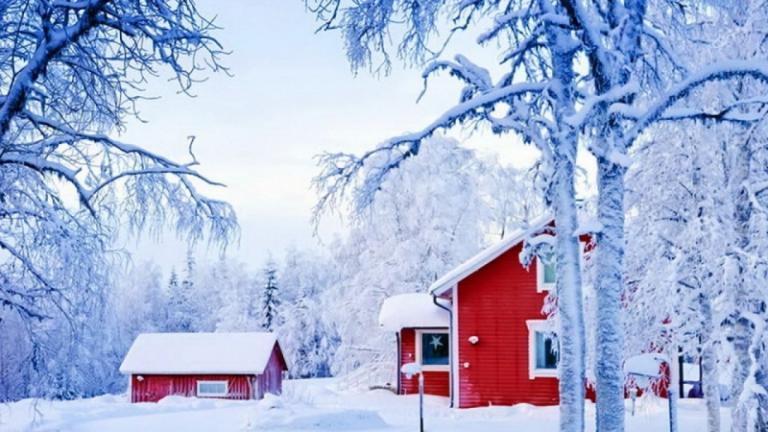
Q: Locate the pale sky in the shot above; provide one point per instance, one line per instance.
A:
(292, 96)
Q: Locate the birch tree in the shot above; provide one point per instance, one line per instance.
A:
(633, 78)
(636, 80)
(532, 99)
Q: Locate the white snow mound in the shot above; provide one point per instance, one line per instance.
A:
(413, 310)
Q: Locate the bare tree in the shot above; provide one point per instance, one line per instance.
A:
(71, 73)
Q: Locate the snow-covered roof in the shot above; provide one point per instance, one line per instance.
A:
(414, 310)
(199, 353)
(487, 255)
(647, 364)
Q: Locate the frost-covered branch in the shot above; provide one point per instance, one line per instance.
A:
(341, 171)
(717, 72)
(71, 74)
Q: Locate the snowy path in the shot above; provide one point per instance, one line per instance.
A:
(311, 405)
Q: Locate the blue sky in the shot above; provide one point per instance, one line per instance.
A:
(292, 96)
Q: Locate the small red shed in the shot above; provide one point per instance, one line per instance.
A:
(215, 365)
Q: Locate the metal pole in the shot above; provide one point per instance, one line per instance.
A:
(421, 402)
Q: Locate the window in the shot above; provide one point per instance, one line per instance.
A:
(542, 349)
(212, 388)
(546, 354)
(432, 350)
(546, 270)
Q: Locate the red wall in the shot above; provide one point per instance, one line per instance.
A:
(152, 388)
(271, 381)
(435, 382)
(493, 304)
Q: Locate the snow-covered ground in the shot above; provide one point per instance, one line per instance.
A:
(313, 405)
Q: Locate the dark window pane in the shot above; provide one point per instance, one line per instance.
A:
(434, 348)
(546, 355)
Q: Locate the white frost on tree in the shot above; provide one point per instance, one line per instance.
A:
(271, 297)
(71, 74)
(428, 217)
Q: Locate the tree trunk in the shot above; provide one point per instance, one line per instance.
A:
(761, 379)
(740, 338)
(569, 296)
(740, 327)
(710, 376)
(711, 387)
(563, 197)
(609, 261)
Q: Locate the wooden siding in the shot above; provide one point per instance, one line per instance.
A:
(152, 388)
(271, 381)
(435, 382)
(494, 304)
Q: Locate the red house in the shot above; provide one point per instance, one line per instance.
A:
(497, 347)
(215, 365)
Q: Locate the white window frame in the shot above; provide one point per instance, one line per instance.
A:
(226, 388)
(432, 368)
(540, 326)
(541, 286)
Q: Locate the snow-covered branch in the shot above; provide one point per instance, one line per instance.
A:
(716, 72)
(341, 171)
(71, 74)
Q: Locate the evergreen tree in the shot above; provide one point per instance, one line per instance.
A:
(180, 311)
(271, 300)
(188, 284)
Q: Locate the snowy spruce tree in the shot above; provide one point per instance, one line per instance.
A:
(270, 306)
(181, 311)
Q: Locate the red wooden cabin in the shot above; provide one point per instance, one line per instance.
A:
(496, 347)
(499, 342)
(216, 365)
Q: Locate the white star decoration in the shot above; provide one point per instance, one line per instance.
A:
(436, 343)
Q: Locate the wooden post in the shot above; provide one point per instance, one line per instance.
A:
(421, 401)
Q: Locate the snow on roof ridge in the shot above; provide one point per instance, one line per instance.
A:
(487, 255)
(199, 353)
